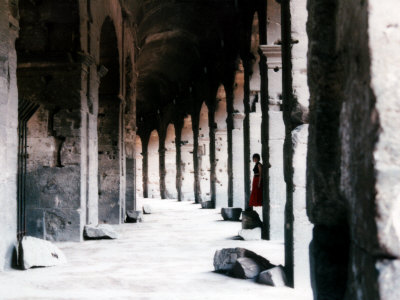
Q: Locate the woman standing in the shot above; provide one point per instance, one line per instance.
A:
(256, 192)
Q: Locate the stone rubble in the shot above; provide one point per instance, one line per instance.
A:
(231, 213)
(273, 277)
(102, 231)
(36, 252)
(147, 209)
(134, 216)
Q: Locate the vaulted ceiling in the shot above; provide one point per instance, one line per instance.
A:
(182, 43)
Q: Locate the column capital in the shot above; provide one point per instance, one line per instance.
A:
(273, 53)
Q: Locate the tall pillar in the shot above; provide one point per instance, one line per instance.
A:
(246, 133)
(161, 161)
(271, 64)
(196, 166)
(145, 165)
(229, 127)
(211, 127)
(8, 135)
(295, 112)
(178, 142)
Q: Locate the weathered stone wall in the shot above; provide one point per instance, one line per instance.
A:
(8, 133)
(370, 145)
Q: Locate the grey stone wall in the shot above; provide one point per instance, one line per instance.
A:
(8, 134)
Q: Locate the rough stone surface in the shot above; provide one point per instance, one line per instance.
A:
(102, 231)
(225, 259)
(8, 133)
(246, 268)
(134, 216)
(273, 277)
(231, 213)
(147, 209)
(40, 253)
(207, 205)
(250, 234)
(250, 220)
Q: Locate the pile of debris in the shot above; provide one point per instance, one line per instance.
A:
(245, 264)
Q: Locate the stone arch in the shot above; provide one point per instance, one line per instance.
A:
(108, 124)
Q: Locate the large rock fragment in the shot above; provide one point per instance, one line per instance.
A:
(207, 205)
(231, 213)
(246, 268)
(147, 209)
(251, 220)
(36, 252)
(134, 216)
(273, 277)
(250, 234)
(102, 231)
(225, 259)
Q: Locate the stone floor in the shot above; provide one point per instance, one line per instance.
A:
(168, 256)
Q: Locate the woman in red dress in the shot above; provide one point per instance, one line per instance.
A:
(257, 191)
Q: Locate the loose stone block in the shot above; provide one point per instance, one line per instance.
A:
(246, 268)
(147, 209)
(40, 253)
(250, 234)
(273, 277)
(225, 259)
(207, 205)
(231, 213)
(250, 220)
(134, 216)
(103, 231)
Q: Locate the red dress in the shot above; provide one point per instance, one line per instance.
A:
(256, 197)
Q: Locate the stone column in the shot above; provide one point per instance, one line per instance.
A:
(195, 128)
(178, 142)
(246, 133)
(212, 127)
(161, 161)
(271, 61)
(295, 112)
(145, 165)
(230, 127)
(8, 134)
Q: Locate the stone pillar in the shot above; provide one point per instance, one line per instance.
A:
(138, 167)
(145, 165)
(229, 128)
(272, 62)
(238, 140)
(221, 184)
(204, 146)
(211, 127)
(178, 142)
(196, 167)
(170, 160)
(246, 133)
(8, 134)
(161, 161)
(295, 112)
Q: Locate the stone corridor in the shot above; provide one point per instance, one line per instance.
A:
(168, 256)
